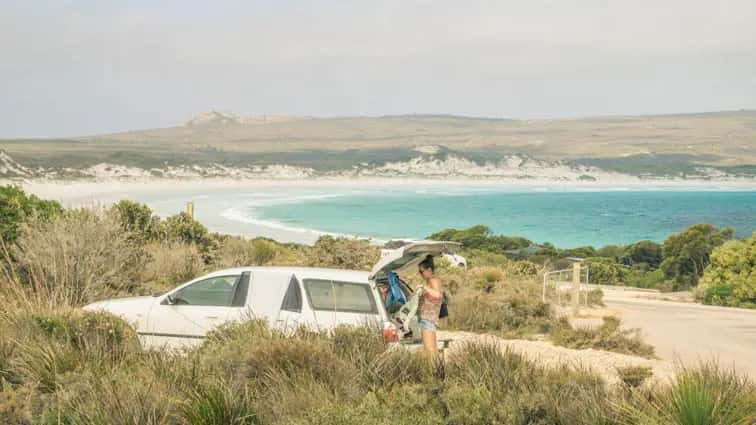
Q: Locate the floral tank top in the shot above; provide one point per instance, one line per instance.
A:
(429, 307)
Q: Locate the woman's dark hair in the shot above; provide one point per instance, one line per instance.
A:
(427, 264)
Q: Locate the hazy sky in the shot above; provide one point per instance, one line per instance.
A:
(84, 67)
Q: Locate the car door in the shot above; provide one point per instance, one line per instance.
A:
(335, 302)
(184, 316)
(290, 314)
(266, 292)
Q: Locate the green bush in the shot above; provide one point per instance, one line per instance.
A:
(704, 395)
(646, 253)
(730, 279)
(182, 228)
(604, 271)
(343, 253)
(686, 254)
(480, 237)
(16, 208)
(138, 219)
(645, 279)
(512, 317)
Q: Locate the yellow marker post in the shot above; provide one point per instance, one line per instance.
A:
(190, 209)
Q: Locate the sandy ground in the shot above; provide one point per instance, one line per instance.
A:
(686, 332)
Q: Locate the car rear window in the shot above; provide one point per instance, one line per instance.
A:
(332, 295)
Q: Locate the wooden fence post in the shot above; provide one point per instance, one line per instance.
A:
(576, 288)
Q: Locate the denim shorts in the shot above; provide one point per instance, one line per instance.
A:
(426, 325)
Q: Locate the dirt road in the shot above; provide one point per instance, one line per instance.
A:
(690, 332)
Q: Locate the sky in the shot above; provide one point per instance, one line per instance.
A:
(85, 67)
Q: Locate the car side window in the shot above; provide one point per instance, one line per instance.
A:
(215, 291)
(345, 297)
(293, 299)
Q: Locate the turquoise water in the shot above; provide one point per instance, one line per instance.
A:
(567, 219)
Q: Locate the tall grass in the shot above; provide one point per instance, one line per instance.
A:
(80, 256)
(703, 395)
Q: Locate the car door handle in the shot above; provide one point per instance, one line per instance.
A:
(211, 317)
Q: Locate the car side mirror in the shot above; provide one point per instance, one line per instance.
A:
(169, 300)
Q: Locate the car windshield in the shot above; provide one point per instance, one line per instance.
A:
(340, 296)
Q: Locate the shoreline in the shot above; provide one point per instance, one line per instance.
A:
(72, 190)
(169, 196)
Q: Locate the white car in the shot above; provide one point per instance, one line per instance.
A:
(286, 297)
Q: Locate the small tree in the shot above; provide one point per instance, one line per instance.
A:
(343, 253)
(137, 219)
(182, 228)
(686, 254)
(647, 254)
(730, 279)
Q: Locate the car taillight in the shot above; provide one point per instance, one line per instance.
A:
(390, 334)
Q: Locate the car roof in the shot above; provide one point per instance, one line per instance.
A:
(356, 276)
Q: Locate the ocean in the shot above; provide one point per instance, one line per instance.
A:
(566, 218)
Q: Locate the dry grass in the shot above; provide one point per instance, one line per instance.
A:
(81, 256)
(170, 264)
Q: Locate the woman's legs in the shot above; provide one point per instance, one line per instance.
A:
(429, 340)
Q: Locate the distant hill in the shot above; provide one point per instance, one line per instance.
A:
(640, 145)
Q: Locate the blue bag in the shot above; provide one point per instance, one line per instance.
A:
(395, 298)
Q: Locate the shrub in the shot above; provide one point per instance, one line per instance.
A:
(646, 253)
(238, 252)
(80, 256)
(645, 279)
(511, 317)
(182, 228)
(170, 264)
(487, 384)
(634, 376)
(343, 253)
(703, 395)
(730, 279)
(609, 336)
(138, 220)
(604, 271)
(263, 252)
(480, 237)
(16, 208)
(480, 258)
(523, 269)
(486, 278)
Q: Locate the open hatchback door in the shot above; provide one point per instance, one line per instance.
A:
(403, 323)
(410, 255)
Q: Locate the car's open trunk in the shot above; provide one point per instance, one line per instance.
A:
(403, 259)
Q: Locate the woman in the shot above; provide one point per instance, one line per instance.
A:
(430, 305)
